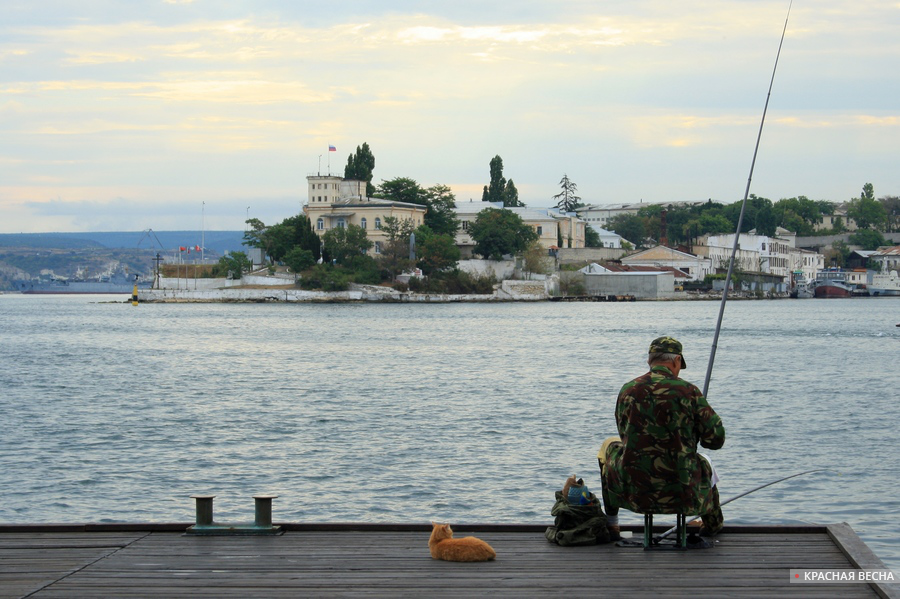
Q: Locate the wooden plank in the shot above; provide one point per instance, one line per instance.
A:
(860, 556)
(396, 562)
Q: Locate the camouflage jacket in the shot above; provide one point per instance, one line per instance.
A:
(661, 419)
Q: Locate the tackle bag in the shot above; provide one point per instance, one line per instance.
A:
(577, 524)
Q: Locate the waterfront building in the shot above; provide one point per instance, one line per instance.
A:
(777, 255)
(551, 224)
(887, 257)
(333, 202)
(696, 267)
(636, 281)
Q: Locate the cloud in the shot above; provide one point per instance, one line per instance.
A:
(214, 98)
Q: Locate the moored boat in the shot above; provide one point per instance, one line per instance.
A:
(888, 284)
(832, 283)
(802, 288)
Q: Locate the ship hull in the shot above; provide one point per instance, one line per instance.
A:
(828, 290)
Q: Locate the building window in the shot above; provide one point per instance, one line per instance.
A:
(362, 222)
(465, 225)
(377, 246)
(377, 222)
(320, 224)
(540, 230)
(341, 223)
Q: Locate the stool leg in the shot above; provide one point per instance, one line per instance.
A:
(682, 531)
(648, 530)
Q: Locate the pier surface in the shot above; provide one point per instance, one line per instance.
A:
(158, 560)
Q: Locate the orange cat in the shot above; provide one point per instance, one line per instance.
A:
(468, 549)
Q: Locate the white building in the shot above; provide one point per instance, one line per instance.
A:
(551, 224)
(888, 258)
(759, 253)
(697, 267)
(607, 238)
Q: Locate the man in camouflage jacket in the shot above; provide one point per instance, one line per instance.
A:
(655, 467)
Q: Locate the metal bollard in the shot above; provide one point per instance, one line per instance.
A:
(263, 504)
(204, 509)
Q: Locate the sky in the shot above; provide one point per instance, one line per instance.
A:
(189, 114)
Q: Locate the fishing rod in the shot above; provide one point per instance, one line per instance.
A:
(753, 490)
(737, 235)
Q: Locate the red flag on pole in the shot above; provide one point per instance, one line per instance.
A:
(181, 248)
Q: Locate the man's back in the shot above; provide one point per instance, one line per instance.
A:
(661, 419)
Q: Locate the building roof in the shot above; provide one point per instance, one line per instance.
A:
(638, 269)
(661, 252)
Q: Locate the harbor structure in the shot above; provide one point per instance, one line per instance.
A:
(335, 202)
(392, 560)
(777, 255)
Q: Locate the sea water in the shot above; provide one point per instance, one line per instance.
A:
(409, 413)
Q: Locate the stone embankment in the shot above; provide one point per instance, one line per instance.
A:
(507, 291)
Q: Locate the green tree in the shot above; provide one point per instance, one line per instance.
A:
(395, 252)
(592, 238)
(713, 224)
(567, 200)
(304, 236)
(232, 265)
(511, 196)
(891, 205)
(764, 220)
(534, 259)
(493, 192)
(439, 200)
(629, 226)
(401, 189)
(499, 232)
(499, 189)
(299, 259)
(436, 252)
(279, 240)
(868, 239)
(275, 241)
(838, 253)
(360, 166)
(255, 235)
(866, 210)
(800, 214)
(441, 216)
(344, 243)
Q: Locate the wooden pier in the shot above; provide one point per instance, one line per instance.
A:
(334, 560)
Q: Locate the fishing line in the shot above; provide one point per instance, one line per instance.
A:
(712, 353)
(754, 489)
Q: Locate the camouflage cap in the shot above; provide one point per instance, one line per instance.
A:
(667, 345)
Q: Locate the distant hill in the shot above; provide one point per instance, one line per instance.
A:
(217, 242)
(27, 255)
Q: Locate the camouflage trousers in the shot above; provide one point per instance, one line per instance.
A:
(713, 520)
